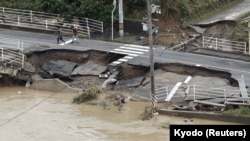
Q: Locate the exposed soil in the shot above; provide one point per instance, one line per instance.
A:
(173, 32)
(127, 71)
(8, 81)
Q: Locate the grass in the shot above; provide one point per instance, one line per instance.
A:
(147, 114)
(118, 104)
(88, 95)
(239, 32)
(241, 111)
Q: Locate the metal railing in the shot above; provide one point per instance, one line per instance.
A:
(201, 93)
(12, 57)
(161, 93)
(46, 21)
(81, 30)
(94, 25)
(11, 52)
(28, 18)
(224, 45)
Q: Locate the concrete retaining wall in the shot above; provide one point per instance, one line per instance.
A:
(207, 115)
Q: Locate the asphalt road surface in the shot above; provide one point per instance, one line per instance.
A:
(235, 67)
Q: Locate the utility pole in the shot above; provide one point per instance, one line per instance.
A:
(121, 26)
(249, 37)
(112, 19)
(151, 55)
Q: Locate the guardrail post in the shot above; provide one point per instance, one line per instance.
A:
(31, 16)
(167, 90)
(18, 44)
(88, 32)
(225, 94)
(3, 10)
(245, 45)
(18, 20)
(23, 61)
(216, 43)
(194, 92)
(102, 27)
(46, 24)
(2, 55)
(249, 38)
(87, 22)
(22, 47)
(203, 42)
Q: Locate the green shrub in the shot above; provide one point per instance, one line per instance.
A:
(88, 95)
(147, 114)
(241, 111)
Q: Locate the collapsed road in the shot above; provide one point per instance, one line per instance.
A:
(85, 68)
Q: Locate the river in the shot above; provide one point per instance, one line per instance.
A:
(29, 115)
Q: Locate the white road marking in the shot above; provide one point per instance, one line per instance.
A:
(138, 49)
(137, 46)
(122, 50)
(122, 60)
(116, 62)
(130, 50)
(124, 53)
(128, 57)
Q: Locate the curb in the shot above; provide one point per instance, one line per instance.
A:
(207, 115)
(27, 29)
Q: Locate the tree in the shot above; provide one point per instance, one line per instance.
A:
(68, 9)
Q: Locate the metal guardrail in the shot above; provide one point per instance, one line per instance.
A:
(94, 25)
(46, 21)
(10, 56)
(11, 52)
(224, 45)
(200, 93)
(161, 93)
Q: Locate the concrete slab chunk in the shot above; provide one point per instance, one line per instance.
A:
(89, 69)
(60, 68)
(135, 82)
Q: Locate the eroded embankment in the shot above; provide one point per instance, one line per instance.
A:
(93, 62)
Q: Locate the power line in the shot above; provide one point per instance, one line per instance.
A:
(32, 107)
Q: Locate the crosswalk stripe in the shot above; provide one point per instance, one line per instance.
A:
(130, 51)
(128, 57)
(130, 54)
(116, 62)
(138, 49)
(122, 50)
(122, 60)
(137, 46)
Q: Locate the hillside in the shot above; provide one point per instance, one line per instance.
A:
(174, 24)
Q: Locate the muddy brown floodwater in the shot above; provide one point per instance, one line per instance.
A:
(29, 115)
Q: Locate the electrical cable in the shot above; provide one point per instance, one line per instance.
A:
(32, 107)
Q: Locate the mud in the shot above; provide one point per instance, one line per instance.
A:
(28, 115)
